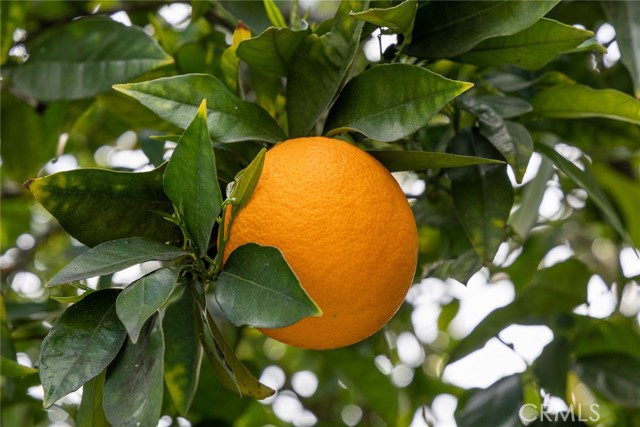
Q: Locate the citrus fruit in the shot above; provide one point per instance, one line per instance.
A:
(346, 230)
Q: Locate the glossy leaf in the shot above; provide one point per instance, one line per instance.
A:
(245, 183)
(274, 14)
(445, 30)
(83, 341)
(585, 180)
(624, 15)
(511, 139)
(91, 411)
(397, 19)
(497, 405)
(531, 48)
(397, 161)
(258, 288)
(97, 205)
(550, 291)
(133, 386)
(273, 50)
(317, 73)
(113, 256)
(229, 118)
(144, 297)
(86, 57)
(617, 376)
(191, 182)
(183, 353)
(389, 102)
(482, 195)
(506, 106)
(573, 101)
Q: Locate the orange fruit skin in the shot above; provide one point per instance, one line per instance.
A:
(346, 229)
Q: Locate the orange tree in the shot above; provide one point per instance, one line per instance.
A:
(113, 278)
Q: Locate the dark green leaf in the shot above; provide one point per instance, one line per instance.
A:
(273, 50)
(625, 17)
(461, 268)
(585, 180)
(113, 256)
(553, 290)
(531, 48)
(397, 20)
(83, 341)
(482, 195)
(318, 71)
(191, 182)
(133, 386)
(573, 101)
(86, 57)
(183, 354)
(511, 139)
(617, 334)
(91, 411)
(497, 405)
(144, 297)
(506, 106)
(389, 102)
(445, 30)
(96, 205)
(229, 118)
(397, 161)
(552, 366)
(231, 372)
(245, 183)
(617, 376)
(258, 288)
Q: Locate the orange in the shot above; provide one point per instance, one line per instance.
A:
(346, 229)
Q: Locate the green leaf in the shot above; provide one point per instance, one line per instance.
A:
(191, 182)
(617, 376)
(525, 217)
(245, 183)
(389, 102)
(625, 17)
(229, 62)
(258, 288)
(82, 342)
(86, 57)
(550, 291)
(183, 354)
(274, 14)
(446, 30)
(144, 297)
(616, 334)
(496, 405)
(273, 50)
(573, 101)
(113, 256)
(229, 118)
(585, 180)
(506, 106)
(133, 386)
(319, 68)
(231, 372)
(531, 48)
(16, 219)
(91, 411)
(511, 139)
(397, 161)
(12, 369)
(482, 194)
(626, 194)
(552, 366)
(97, 205)
(397, 20)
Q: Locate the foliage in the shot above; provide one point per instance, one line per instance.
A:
(493, 106)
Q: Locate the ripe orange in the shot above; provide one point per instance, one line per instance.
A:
(345, 228)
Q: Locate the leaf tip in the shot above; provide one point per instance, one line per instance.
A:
(202, 109)
(27, 184)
